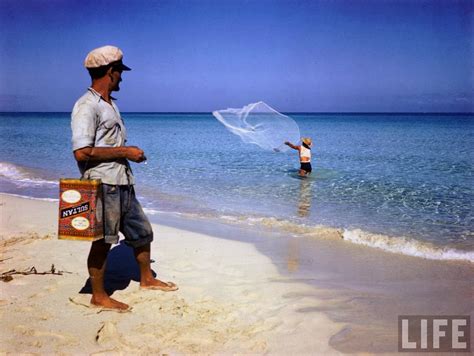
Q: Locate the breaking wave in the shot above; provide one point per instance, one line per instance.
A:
(393, 244)
(406, 246)
(22, 177)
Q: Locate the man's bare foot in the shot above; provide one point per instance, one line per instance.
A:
(156, 284)
(109, 303)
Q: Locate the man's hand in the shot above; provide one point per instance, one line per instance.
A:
(135, 154)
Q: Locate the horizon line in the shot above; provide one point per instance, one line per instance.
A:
(283, 112)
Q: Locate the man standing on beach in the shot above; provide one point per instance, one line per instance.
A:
(98, 139)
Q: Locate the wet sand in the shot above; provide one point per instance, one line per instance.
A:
(364, 288)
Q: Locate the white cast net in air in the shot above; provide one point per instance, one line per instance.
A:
(259, 124)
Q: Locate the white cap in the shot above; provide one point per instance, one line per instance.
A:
(103, 56)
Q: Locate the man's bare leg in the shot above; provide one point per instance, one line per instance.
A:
(142, 254)
(96, 266)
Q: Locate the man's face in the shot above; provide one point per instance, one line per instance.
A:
(116, 78)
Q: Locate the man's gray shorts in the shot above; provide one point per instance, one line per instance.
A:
(123, 212)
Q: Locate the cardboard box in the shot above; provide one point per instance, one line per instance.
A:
(80, 209)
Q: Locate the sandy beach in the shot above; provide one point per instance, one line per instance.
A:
(306, 168)
(230, 298)
(240, 293)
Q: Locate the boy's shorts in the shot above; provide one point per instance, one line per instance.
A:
(306, 166)
(123, 212)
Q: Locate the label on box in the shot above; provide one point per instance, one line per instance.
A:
(74, 210)
(80, 223)
(71, 196)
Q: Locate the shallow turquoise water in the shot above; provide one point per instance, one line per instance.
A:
(396, 175)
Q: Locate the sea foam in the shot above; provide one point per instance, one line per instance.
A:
(392, 244)
(406, 246)
(21, 176)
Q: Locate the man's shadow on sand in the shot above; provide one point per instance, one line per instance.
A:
(121, 269)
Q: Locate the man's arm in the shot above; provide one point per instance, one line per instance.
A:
(84, 126)
(292, 146)
(104, 154)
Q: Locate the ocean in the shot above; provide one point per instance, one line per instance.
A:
(398, 182)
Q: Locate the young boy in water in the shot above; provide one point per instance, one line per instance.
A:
(305, 155)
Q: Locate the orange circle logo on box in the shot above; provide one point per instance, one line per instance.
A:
(71, 196)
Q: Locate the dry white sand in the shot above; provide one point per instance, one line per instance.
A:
(231, 300)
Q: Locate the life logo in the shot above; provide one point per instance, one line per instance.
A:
(434, 333)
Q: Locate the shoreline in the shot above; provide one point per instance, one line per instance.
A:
(407, 246)
(269, 292)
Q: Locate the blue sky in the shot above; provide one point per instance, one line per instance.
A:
(200, 55)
